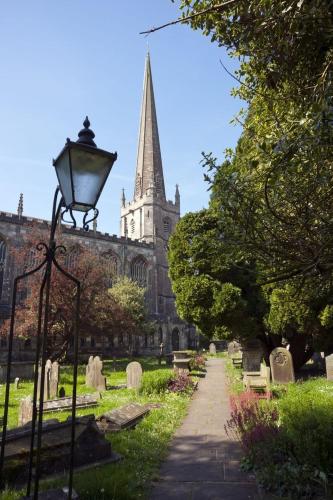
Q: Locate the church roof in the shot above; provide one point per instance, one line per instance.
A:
(149, 170)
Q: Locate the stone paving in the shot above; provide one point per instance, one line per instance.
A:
(203, 462)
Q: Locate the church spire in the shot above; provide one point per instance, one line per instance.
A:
(149, 170)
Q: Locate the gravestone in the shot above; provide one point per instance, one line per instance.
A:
(51, 380)
(329, 367)
(252, 355)
(233, 347)
(212, 348)
(125, 417)
(134, 375)
(25, 411)
(62, 393)
(94, 376)
(282, 368)
(17, 383)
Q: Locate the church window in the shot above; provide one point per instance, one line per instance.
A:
(167, 225)
(125, 226)
(111, 266)
(2, 263)
(33, 259)
(139, 270)
(132, 226)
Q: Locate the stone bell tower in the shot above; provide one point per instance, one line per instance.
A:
(150, 216)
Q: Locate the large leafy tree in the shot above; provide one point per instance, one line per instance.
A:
(272, 196)
(101, 313)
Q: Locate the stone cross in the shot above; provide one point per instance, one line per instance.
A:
(94, 376)
(212, 348)
(329, 367)
(134, 375)
(282, 367)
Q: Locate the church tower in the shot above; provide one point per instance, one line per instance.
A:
(150, 216)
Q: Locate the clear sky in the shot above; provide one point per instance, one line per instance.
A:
(65, 59)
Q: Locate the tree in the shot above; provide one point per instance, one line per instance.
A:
(214, 292)
(101, 313)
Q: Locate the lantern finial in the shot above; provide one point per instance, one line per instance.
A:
(86, 135)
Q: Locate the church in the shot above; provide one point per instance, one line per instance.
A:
(140, 252)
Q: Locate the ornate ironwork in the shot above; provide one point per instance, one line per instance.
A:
(50, 251)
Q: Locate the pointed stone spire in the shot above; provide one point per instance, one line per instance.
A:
(177, 195)
(20, 206)
(149, 170)
(123, 199)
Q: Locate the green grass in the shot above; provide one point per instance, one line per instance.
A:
(142, 448)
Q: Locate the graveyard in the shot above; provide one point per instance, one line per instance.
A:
(138, 449)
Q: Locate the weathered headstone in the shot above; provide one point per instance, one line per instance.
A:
(17, 383)
(25, 411)
(252, 355)
(329, 367)
(282, 368)
(122, 418)
(212, 348)
(54, 379)
(233, 347)
(94, 376)
(51, 380)
(134, 375)
(62, 393)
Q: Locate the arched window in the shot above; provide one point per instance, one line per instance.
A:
(139, 271)
(167, 225)
(34, 258)
(132, 226)
(2, 263)
(111, 267)
(175, 339)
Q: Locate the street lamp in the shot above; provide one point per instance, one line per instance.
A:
(82, 170)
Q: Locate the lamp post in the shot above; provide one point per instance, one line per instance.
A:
(82, 170)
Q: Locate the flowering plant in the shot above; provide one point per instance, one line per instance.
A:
(181, 383)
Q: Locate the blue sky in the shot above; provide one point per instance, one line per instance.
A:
(63, 60)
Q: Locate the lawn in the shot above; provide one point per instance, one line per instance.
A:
(142, 448)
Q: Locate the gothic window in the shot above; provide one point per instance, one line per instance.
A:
(2, 263)
(160, 335)
(125, 226)
(139, 271)
(33, 259)
(132, 226)
(167, 225)
(111, 265)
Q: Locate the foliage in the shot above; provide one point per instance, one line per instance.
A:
(100, 313)
(212, 291)
(131, 297)
(181, 383)
(197, 362)
(287, 442)
(155, 382)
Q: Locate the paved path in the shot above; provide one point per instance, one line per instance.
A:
(203, 463)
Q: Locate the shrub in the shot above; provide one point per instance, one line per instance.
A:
(197, 362)
(155, 382)
(181, 383)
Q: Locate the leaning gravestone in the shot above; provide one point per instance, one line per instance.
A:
(51, 380)
(329, 367)
(282, 367)
(212, 348)
(233, 347)
(134, 375)
(252, 355)
(94, 376)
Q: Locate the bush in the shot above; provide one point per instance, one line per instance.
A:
(181, 383)
(197, 362)
(156, 382)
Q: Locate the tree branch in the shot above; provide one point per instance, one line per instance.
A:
(220, 6)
